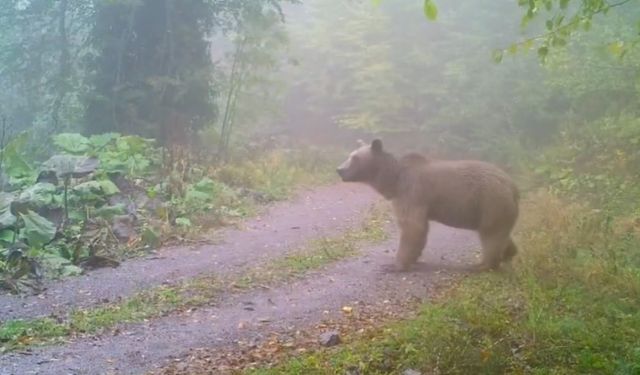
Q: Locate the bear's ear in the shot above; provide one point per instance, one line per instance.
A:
(376, 146)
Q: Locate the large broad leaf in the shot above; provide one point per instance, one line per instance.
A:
(91, 186)
(38, 195)
(88, 189)
(99, 141)
(137, 164)
(7, 219)
(14, 163)
(72, 143)
(133, 144)
(37, 230)
(61, 265)
(98, 187)
(7, 235)
(111, 162)
(108, 212)
(108, 187)
(71, 166)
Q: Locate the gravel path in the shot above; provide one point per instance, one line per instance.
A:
(322, 212)
(138, 348)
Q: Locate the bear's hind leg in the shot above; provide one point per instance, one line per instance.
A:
(495, 247)
(510, 252)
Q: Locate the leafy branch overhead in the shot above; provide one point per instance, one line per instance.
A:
(563, 18)
(566, 17)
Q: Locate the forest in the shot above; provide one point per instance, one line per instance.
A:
(169, 202)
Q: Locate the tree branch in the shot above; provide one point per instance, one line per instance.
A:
(574, 21)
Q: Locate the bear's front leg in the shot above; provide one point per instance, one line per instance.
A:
(414, 228)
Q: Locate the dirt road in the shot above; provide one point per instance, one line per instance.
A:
(137, 348)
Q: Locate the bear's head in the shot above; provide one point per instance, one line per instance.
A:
(363, 163)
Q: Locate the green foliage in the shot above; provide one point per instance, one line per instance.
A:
(18, 331)
(70, 166)
(129, 155)
(7, 218)
(206, 196)
(565, 19)
(72, 143)
(83, 197)
(16, 216)
(60, 265)
(108, 153)
(593, 81)
(37, 230)
(40, 194)
(85, 194)
(14, 161)
(430, 10)
(101, 187)
(599, 162)
(183, 222)
(277, 173)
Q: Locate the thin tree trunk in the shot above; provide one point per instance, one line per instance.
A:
(232, 109)
(122, 44)
(233, 87)
(63, 65)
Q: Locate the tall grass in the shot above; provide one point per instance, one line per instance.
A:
(277, 173)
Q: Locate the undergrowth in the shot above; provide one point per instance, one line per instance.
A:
(108, 197)
(276, 174)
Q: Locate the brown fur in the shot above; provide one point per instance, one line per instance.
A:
(465, 194)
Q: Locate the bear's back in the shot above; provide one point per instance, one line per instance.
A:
(458, 192)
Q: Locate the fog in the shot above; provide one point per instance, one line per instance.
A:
(356, 70)
(325, 71)
(388, 71)
(226, 186)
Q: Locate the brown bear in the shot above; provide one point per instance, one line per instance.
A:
(465, 194)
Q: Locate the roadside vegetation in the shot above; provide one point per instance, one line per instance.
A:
(101, 199)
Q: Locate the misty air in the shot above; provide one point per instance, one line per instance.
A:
(348, 187)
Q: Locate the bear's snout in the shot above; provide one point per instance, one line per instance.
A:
(345, 174)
